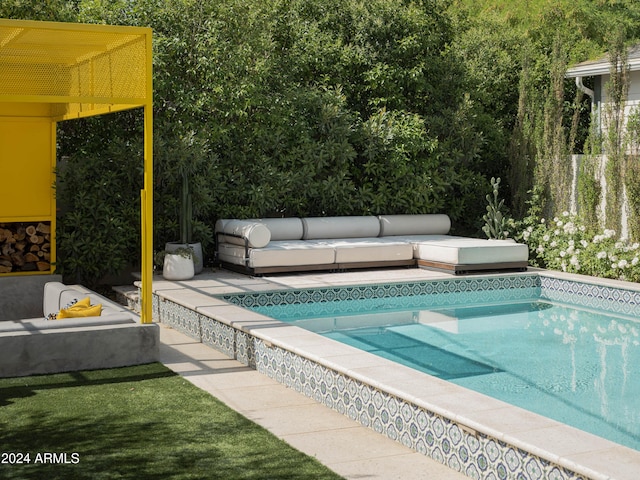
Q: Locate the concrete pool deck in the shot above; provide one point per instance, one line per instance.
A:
(344, 447)
(347, 448)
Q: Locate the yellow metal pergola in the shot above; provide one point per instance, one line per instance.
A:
(52, 72)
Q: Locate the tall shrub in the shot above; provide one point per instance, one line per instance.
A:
(614, 144)
(589, 192)
(522, 147)
(552, 166)
(632, 173)
(98, 196)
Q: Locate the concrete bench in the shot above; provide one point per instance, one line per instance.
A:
(113, 339)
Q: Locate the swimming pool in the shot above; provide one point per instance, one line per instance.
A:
(469, 432)
(562, 349)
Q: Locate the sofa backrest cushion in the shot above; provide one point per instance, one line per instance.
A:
(220, 223)
(280, 228)
(57, 295)
(425, 224)
(316, 228)
(256, 233)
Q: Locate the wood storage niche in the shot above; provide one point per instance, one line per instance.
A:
(25, 247)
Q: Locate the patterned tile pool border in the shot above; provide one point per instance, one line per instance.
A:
(459, 291)
(476, 455)
(601, 297)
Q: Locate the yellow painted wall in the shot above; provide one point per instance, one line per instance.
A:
(25, 109)
(26, 166)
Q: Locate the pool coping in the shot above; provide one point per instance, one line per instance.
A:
(251, 337)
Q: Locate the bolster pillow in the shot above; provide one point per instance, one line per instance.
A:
(257, 234)
(289, 228)
(425, 224)
(340, 227)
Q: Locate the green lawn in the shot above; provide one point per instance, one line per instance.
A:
(141, 422)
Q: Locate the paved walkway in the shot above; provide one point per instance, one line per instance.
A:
(351, 450)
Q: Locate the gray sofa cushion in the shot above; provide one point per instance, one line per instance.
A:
(283, 228)
(427, 224)
(340, 227)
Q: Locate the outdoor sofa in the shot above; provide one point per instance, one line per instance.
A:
(114, 338)
(269, 245)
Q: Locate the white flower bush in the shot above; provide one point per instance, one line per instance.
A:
(564, 244)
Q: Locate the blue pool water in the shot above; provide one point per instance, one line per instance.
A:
(577, 365)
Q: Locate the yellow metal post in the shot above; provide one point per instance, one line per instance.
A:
(145, 294)
(147, 206)
(54, 206)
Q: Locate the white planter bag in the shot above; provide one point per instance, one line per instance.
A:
(177, 267)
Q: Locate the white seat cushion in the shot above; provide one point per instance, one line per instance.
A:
(471, 251)
(356, 250)
(283, 253)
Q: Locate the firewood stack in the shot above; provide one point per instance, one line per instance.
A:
(25, 247)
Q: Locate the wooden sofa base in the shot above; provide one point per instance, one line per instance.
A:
(320, 267)
(460, 269)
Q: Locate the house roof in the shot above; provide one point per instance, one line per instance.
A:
(592, 68)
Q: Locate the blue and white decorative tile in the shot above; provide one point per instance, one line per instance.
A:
(180, 318)
(593, 296)
(456, 435)
(505, 287)
(514, 460)
(218, 335)
(247, 352)
(155, 306)
(471, 471)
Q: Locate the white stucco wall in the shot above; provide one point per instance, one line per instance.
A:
(634, 88)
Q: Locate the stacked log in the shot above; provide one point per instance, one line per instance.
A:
(25, 247)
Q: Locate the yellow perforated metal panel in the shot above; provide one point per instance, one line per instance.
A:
(77, 69)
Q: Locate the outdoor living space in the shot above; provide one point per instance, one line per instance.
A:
(467, 431)
(296, 152)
